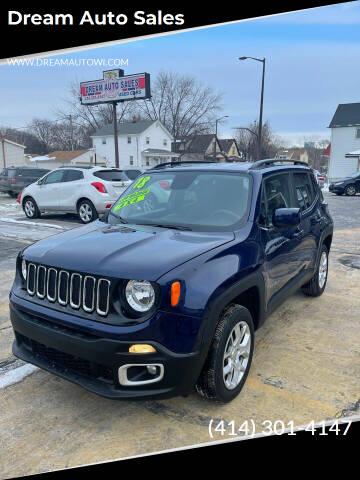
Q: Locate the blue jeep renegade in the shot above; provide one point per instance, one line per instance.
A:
(165, 292)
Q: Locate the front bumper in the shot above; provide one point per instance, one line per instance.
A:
(93, 362)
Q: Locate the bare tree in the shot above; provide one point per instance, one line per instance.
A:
(184, 105)
(247, 140)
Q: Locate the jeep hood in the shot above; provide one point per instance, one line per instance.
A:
(123, 251)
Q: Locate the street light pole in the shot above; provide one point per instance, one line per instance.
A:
(263, 61)
(115, 136)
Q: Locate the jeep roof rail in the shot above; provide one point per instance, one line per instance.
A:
(187, 162)
(270, 161)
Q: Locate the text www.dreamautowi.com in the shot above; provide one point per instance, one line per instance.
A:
(248, 428)
(68, 62)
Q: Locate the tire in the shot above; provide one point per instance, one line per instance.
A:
(30, 208)
(86, 211)
(316, 286)
(213, 383)
(350, 190)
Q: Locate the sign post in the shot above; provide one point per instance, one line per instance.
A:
(113, 88)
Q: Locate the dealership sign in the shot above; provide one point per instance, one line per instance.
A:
(115, 89)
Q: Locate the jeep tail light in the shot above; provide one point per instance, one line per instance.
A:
(175, 293)
(19, 198)
(100, 187)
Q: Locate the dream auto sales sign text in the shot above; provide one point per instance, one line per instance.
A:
(114, 89)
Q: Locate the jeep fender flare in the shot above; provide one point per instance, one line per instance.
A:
(217, 304)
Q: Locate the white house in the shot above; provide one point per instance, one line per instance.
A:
(141, 143)
(11, 153)
(345, 141)
(66, 158)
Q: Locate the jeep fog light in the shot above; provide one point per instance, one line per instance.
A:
(142, 348)
(140, 295)
(23, 269)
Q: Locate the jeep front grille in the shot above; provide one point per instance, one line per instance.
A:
(64, 288)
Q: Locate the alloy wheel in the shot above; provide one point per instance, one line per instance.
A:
(29, 208)
(323, 267)
(236, 355)
(350, 190)
(85, 212)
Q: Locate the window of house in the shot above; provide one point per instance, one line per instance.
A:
(131, 160)
(129, 140)
(164, 142)
(147, 163)
(358, 133)
(103, 141)
(147, 140)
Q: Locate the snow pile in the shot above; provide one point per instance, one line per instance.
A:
(16, 375)
(25, 222)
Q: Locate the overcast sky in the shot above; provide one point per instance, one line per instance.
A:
(313, 64)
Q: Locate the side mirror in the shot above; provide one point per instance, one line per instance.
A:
(286, 217)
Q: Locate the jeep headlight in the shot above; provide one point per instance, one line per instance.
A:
(140, 295)
(23, 269)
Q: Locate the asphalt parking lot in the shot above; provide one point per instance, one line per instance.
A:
(306, 367)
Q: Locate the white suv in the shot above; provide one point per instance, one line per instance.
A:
(87, 191)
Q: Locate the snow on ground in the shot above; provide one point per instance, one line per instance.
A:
(27, 222)
(16, 375)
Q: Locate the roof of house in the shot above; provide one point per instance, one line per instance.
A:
(65, 155)
(124, 128)
(11, 142)
(293, 153)
(199, 143)
(347, 114)
(226, 143)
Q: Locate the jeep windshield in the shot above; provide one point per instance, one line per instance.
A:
(186, 200)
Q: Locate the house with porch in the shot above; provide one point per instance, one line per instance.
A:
(142, 144)
(199, 148)
(345, 141)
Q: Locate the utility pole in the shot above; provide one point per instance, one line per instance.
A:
(3, 149)
(116, 143)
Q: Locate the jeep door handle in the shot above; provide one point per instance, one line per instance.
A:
(315, 220)
(297, 234)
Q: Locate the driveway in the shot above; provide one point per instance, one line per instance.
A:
(306, 367)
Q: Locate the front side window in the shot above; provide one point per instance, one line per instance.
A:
(200, 201)
(275, 194)
(304, 193)
(54, 177)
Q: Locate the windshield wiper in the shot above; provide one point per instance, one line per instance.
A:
(163, 225)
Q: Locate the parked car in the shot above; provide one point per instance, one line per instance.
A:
(14, 179)
(87, 191)
(320, 178)
(348, 185)
(150, 303)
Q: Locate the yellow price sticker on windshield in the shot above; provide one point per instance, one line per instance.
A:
(131, 199)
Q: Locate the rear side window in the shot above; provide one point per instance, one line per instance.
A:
(73, 175)
(132, 174)
(305, 194)
(111, 175)
(275, 194)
